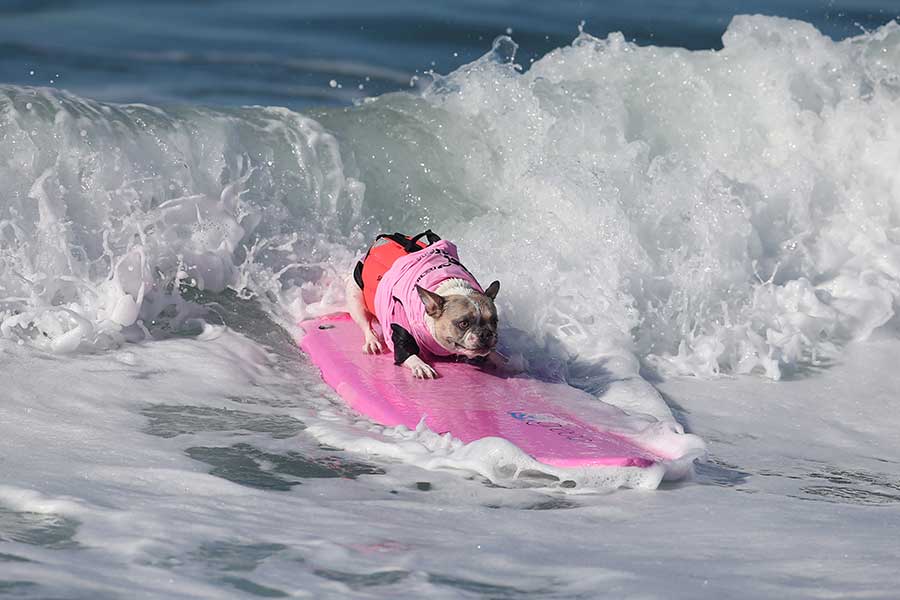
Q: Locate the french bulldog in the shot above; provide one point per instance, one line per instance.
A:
(437, 315)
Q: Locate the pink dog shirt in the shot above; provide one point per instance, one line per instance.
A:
(397, 301)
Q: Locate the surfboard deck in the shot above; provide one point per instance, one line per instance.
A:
(466, 401)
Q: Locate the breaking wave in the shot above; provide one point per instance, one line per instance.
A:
(706, 212)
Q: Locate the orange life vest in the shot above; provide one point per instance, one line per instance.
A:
(388, 247)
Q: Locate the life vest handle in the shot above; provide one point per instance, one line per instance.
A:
(410, 244)
(381, 257)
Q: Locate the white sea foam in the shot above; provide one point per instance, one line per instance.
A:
(107, 210)
(99, 499)
(711, 211)
(727, 211)
(493, 458)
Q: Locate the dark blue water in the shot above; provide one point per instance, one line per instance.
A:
(327, 52)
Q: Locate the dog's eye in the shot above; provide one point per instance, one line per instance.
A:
(463, 324)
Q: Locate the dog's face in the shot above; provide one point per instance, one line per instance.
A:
(464, 325)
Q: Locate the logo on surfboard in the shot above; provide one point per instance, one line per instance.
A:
(558, 425)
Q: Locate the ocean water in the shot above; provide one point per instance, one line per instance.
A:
(282, 53)
(693, 213)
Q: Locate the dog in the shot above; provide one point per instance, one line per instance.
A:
(426, 300)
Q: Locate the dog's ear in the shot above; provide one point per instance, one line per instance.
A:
(434, 304)
(491, 291)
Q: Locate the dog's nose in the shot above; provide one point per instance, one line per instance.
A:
(486, 338)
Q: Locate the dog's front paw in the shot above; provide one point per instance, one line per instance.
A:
(424, 372)
(420, 369)
(373, 345)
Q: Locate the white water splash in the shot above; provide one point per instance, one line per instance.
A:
(727, 211)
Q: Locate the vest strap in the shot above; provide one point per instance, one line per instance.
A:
(410, 244)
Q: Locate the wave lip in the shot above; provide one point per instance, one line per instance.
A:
(727, 211)
(110, 211)
(709, 212)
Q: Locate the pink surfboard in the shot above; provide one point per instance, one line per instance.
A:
(539, 417)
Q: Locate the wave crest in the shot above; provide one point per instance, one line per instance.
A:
(713, 211)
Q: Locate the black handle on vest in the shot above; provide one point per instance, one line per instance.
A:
(429, 235)
(409, 244)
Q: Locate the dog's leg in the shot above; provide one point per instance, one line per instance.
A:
(406, 353)
(420, 369)
(362, 317)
